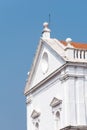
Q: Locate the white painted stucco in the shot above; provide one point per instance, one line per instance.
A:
(73, 95)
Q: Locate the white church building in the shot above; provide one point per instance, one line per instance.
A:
(56, 88)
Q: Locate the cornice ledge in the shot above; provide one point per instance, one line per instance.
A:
(62, 77)
(66, 76)
(78, 127)
(45, 80)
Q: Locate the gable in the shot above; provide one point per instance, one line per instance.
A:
(45, 63)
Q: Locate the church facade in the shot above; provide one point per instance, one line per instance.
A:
(56, 88)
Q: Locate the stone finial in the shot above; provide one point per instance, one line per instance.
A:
(46, 31)
(68, 41)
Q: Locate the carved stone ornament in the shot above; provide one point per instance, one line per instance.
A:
(35, 114)
(55, 101)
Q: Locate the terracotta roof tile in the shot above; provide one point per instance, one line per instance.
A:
(76, 45)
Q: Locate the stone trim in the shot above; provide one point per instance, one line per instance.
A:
(66, 76)
(35, 114)
(45, 80)
(75, 128)
(55, 73)
(28, 101)
(55, 101)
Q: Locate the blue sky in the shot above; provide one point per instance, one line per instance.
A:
(20, 29)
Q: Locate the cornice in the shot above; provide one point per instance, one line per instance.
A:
(78, 127)
(62, 77)
(68, 75)
(45, 80)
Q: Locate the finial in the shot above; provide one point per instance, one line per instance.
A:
(45, 24)
(68, 40)
(46, 30)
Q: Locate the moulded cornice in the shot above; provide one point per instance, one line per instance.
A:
(66, 76)
(45, 80)
(80, 127)
(55, 73)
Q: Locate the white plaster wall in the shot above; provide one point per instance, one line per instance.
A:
(72, 92)
(69, 101)
(85, 85)
(29, 120)
(79, 93)
(70, 53)
(80, 103)
(41, 102)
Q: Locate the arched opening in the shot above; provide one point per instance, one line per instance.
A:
(37, 126)
(58, 115)
(57, 120)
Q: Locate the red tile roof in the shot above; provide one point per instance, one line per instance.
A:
(76, 45)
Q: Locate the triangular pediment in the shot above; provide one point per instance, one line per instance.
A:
(35, 114)
(47, 60)
(55, 101)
